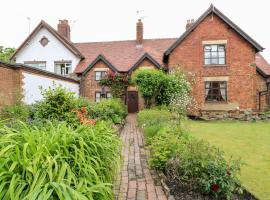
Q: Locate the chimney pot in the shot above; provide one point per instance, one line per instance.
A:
(139, 32)
(189, 23)
(63, 28)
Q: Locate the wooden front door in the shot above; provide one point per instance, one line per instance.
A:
(133, 103)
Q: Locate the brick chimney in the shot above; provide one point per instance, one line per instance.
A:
(189, 23)
(139, 30)
(63, 28)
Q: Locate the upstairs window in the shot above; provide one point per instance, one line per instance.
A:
(214, 54)
(36, 64)
(216, 91)
(62, 68)
(99, 75)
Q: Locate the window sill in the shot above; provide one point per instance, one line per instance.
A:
(215, 66)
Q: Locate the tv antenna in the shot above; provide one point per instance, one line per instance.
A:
(29, 24)
(139, 14)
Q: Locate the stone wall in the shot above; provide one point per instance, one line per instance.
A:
(242, 115)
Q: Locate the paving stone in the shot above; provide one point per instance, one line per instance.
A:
(137, 181)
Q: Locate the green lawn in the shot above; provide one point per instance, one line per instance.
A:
(248, 141)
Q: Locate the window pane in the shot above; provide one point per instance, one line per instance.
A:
(98, 95)
(98, 76)
(207, 61)
(222, 61)
(207, 54)
(221, 48)
(213, 47)
(207, 48)
(109, 95)
(214, 61)
(216, 91)
(214, 55)
(221, 54)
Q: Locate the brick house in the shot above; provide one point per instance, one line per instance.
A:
(230, 74)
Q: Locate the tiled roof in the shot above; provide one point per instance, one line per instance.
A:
(262, 64)
(122, 54)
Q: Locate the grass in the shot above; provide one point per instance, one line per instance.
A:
(248, 141)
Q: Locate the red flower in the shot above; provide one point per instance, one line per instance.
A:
(215, 187)
(84, 109)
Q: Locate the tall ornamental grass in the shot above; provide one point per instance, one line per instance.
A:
(57, 162)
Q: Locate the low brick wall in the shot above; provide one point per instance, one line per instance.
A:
(242, 115)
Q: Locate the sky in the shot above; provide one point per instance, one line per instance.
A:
(107, 20)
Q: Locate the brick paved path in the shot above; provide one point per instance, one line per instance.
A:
(137, 181)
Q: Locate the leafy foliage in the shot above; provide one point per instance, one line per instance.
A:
(150, 83)
(58, 162)
(15, 112)
(188, 160)
(110, 109)
(117, 83)
(158, 88)
(57, 104)
(6, 53)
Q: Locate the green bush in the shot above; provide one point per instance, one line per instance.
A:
(58, 162)
(57, 104)
(185, 159)
(19, 111)
(149, 82)
(159, 117)
(109, 109)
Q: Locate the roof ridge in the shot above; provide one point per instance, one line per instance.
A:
(112, 41)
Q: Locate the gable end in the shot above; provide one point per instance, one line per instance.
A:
(213, 10)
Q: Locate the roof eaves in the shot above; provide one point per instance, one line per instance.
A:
(99, 58)
(261, 72)
(63, 40)
(144, 56)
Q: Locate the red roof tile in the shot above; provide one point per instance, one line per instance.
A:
(122, 54)
(262, 64)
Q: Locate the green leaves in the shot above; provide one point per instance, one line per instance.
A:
(58, 162)
(150, 83)
(185, 159)
(6, 53)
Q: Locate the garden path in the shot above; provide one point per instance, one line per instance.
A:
(137, 181)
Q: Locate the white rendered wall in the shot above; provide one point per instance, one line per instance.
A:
(53, 51)
(33, 82)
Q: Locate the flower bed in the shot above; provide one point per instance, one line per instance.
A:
(191, 166)
(66, 148)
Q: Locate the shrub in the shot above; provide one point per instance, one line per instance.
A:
(187, 160)
(57, 162)
(57, 104)
(150, 117)
(109, 109)
(17, 111)
(150, 83)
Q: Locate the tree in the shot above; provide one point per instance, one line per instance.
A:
(6, 53)
(149, 82)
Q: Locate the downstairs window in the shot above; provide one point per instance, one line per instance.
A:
(216, 91)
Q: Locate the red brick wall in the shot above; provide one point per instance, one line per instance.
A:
(88, 83)
(240, 57)
(10, 85)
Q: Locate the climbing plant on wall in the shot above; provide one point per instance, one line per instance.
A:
(116, 82)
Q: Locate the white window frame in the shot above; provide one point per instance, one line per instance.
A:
(63, 68)
(101, 75)
(36, 64)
